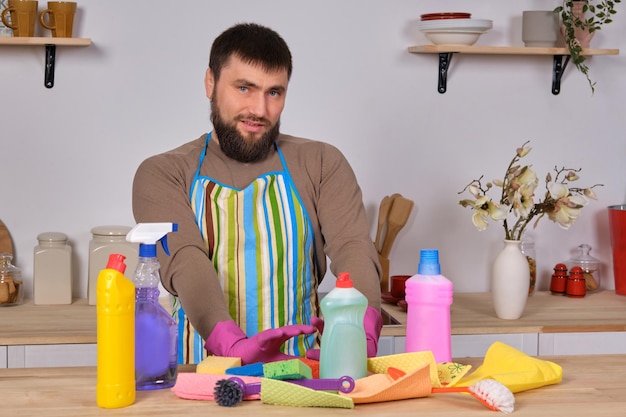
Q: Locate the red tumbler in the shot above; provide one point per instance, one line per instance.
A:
(617, 227)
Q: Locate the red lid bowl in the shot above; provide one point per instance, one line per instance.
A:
(446, 15)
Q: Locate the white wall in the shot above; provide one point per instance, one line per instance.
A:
(69, 153)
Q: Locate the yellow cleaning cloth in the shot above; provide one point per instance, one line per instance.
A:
(407, 362)
(445, 374)
(382, 387)
(514, 369)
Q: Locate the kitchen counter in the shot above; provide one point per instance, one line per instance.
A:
(471, 313)
(590, 386)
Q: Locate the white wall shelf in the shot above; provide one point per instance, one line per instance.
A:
(560, 58)
(50, 45)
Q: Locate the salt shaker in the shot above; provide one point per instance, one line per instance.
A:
(52, 274)
(576, 283)
(107, 240)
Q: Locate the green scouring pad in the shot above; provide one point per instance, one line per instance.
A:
(287, 369)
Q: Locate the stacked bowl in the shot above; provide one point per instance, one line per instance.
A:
(453, 28)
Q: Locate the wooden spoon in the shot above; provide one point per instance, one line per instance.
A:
(383, 212)
(398, 216)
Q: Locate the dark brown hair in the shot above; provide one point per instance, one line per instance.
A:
(253, 44)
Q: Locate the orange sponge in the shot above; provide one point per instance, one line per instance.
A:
(314, 365)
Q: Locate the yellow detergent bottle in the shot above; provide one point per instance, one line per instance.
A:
(115, 306)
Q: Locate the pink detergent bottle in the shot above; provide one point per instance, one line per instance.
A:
(429, 296)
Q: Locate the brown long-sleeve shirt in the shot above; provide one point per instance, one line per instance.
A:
(325, 182)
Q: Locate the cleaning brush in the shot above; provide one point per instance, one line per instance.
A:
(230, 392)
(490, 392)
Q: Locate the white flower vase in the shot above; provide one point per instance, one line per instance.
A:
(510, 279)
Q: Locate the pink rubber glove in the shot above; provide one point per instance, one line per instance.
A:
(372, 323)
(227, 339)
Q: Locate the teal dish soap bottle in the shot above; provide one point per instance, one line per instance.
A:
(156, 334)
(344, 347)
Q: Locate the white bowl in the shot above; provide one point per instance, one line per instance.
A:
(454, 38)
(464, 24)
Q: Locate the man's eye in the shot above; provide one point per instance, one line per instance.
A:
(274, 93)
(243, 89)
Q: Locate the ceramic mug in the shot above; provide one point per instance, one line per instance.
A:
(23, 14)
(540, 28)
(398, 285)
(60, 18)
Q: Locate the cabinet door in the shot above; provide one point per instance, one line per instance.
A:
(41, 356)
(475, 346)
(3, 356)
(587, 343)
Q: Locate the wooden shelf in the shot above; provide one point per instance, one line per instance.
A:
(50, 44)
(42, 41)
(560, 56)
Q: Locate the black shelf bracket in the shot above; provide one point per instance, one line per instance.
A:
(560, 62)
(49, 75)
(444, 63)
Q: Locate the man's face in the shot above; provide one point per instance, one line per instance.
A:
(246, 104)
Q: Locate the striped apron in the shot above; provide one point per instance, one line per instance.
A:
(260, 241)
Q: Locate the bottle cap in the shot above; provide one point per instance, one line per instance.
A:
(344, 281)
(429, 262)
(116, 261)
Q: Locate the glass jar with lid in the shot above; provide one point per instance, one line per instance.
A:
(11, 285)
(590, 267)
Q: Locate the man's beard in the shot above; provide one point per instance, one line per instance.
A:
(233, 143)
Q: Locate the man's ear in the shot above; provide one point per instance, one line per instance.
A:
(209, 83)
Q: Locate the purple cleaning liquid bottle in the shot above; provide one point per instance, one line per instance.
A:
(429, 296)
(156, 334)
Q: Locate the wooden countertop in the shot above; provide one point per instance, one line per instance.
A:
(471, 313)
(591, 386)
(30, 324)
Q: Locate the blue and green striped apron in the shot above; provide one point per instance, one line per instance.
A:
(260, 241)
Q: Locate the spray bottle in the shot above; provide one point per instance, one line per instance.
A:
(115, 311)
(344, 346)
(429, 296)
(156, 335)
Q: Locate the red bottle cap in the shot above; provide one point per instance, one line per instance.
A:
(116, 261)
(344, 281)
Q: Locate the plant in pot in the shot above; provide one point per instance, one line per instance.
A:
(580, 19)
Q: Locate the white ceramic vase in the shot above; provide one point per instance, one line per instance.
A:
(510, 279)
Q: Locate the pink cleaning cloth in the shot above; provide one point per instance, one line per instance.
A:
(193, 386)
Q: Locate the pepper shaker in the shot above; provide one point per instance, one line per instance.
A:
(558, 282)
(52, 274)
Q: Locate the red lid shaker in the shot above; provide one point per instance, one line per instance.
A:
(559, 280)
(576, 287)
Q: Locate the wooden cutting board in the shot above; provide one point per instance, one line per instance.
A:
(6, 245)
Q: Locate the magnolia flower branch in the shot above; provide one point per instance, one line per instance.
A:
(561, 203)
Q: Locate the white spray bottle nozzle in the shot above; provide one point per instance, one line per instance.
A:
(148, 234)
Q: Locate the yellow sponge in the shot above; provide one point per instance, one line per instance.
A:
(287, 369)
(217, 364)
